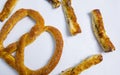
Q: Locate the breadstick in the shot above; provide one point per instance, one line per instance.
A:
(8, 7)
(70, 17)
(55, 3)
(99, 31)
(85, 64)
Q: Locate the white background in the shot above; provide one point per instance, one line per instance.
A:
(76, 48)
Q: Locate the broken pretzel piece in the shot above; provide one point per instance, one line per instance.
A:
(85, 64)
(70, 17)
(99, 31)
(8, 7)
(55, 3)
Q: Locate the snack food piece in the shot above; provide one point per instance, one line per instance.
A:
(25, 40)
(85, 64)
(55, 3)
(70, 17)
(8, 7)
(5, 53)
(99, 31)
(52, 62)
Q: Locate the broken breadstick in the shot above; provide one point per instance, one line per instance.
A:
(70, 17)
(99, 31)
(8, 7)
(85, 64)
(55, 3)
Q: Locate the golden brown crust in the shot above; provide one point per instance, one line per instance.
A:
(17, 62)
(8, 7)
(70, 17)
(99, 31)
(5, 53)
(52, 62)
(55, 3)
(85, 64)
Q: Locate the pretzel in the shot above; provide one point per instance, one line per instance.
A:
(99, 31)
(52, 62)
(5, 53)
(55, 3)
(85, 64)
(70, 17)
(8, 7)
(39, 27)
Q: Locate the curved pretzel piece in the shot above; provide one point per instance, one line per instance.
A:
(8, 7)
(99, 31)
(70, 17)
(85, 64)
(55, 3)
(5, 53)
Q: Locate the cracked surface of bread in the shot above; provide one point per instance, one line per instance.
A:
(70, 17)
(7, 9)
(99, 31)
(85, 64)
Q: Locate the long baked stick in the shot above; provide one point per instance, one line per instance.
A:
(70, 17)
(8, 7)
(85, 64)
(99, 31)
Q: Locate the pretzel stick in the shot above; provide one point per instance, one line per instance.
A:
(70, 17)
(8, 7)
(85, 64)
(55, 3)
(99, 31)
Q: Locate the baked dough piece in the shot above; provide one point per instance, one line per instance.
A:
(5, 53)
(85, 64)
(17, 62)
(45, 70)
(70, 17)
(8, 7)
(55, 3)
(99, 31)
